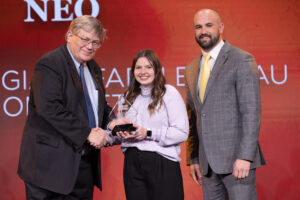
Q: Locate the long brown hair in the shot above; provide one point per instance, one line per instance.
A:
(159, 82)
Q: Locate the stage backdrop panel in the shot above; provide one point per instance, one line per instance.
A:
(269, 29)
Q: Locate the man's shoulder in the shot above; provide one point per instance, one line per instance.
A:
(191, 68)
(236, 51)
(55, 53)
(193, 63)
(54, 60)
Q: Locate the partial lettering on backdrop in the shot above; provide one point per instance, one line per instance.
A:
(60, 8)
(15, 81)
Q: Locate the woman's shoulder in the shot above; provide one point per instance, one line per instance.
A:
(171, 90)
(172, 97)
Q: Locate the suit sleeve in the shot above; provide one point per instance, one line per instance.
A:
(48, 96)
(248, 94)
(192, 143)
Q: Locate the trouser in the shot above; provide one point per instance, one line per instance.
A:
(83, 189)
(150, 176)
(225, 186)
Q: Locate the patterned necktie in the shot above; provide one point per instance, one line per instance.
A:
(205, 73)
(91, 116)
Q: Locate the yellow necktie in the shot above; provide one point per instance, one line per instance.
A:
(204, 76)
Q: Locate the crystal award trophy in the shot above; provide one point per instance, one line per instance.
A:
(123, 110)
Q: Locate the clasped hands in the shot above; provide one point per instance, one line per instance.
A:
(97, 137)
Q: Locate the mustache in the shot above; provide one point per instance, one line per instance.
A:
(204, 35)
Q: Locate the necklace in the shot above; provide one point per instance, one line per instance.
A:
(146, 92)
(146, 96)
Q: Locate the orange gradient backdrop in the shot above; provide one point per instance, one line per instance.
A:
(269, 29)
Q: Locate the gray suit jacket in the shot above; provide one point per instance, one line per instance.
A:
(226, 126)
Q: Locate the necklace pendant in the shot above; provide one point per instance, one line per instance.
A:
(146, 96)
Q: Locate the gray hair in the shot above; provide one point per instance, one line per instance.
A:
(88, 23)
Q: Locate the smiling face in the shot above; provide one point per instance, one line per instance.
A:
(208, 29)
(81, 51)
(144, 72)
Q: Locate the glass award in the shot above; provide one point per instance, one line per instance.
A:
(124, 109)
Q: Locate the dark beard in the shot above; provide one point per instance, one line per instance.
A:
(207, 46)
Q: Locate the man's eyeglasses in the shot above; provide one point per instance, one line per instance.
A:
(87, 41)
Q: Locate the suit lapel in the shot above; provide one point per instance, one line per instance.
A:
(97, 79)
(193, 74)
(221, 59)
(192, 77)
(76, 79)
(196, 80)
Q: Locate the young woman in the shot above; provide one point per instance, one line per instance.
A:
(157, 110)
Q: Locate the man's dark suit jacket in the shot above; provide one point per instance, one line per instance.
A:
(57, 124)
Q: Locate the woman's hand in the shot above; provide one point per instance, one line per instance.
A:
(119, 121)
(140, 133)
(125, 134)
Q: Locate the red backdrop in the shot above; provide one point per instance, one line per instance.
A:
(269, 29)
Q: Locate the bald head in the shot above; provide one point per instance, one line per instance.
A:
(208, 28)
(208, 12)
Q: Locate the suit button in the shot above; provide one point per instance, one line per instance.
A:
(203, 114)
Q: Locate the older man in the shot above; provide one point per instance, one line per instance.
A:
(223, 102)
(60, 156)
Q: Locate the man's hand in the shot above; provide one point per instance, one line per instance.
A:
(195, 173)
(241, 168)
(118, 122)
(97, 138)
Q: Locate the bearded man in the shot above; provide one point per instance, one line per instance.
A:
(224, 107)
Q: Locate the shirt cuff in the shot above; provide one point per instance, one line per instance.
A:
(194, 161)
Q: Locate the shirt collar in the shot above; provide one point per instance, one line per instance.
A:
(77, 64)
(145, 91)
(215, 51)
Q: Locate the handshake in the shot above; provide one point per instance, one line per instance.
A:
(122, 128)
(97, 138)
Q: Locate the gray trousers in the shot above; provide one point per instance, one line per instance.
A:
(225, 186)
